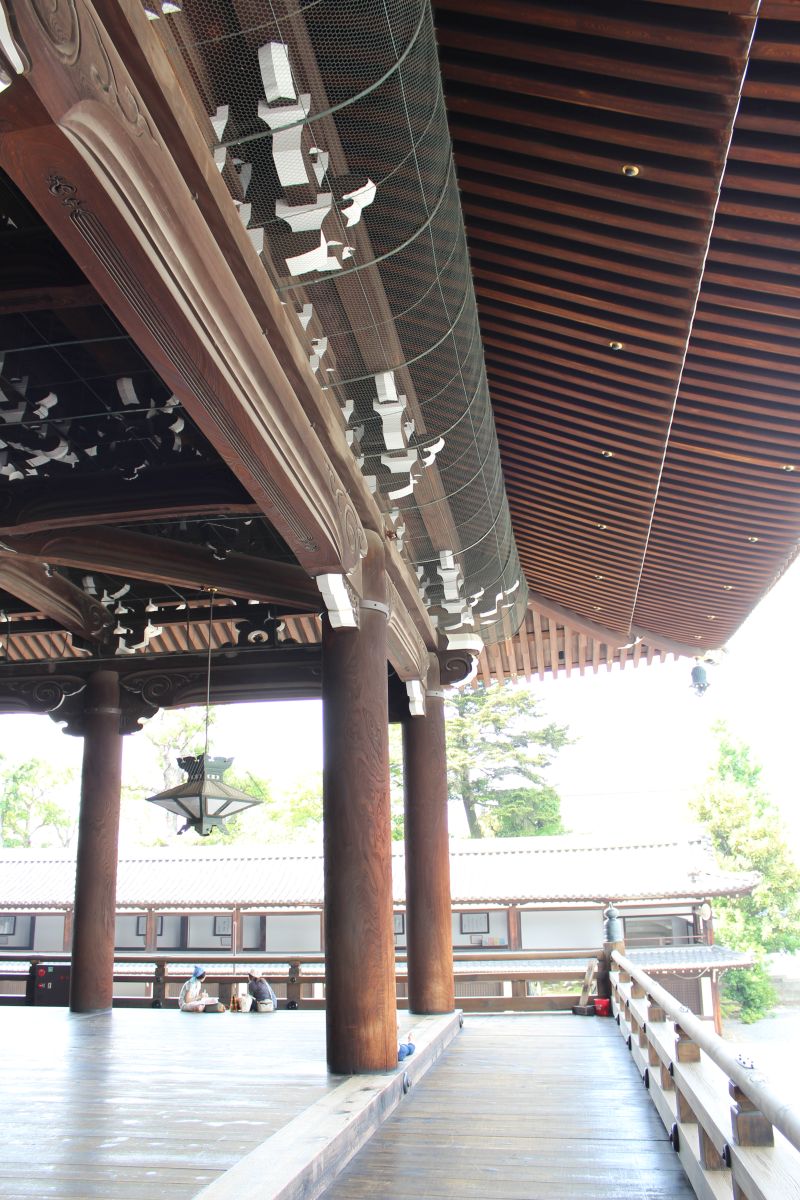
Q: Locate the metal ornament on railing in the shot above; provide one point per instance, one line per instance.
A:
(328, 124)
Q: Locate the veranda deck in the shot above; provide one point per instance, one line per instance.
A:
(147, 1103)
(140, 1103)
(522, 1108)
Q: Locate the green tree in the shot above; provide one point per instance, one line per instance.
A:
(748, 835)
(497, 751)
(29, 814)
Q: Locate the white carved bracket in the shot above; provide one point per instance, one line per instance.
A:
(341, 602)
(416, 697)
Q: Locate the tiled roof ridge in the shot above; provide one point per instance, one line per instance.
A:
(485, 846)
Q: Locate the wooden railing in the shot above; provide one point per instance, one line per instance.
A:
(721, 1114)
(498, 981)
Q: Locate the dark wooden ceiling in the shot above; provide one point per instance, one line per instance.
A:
(614, 175)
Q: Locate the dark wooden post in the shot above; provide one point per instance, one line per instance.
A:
(514, 928)
(429, 931)
(92, 983)
(361, 1000)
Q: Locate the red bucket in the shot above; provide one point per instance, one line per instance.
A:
(602, 1007)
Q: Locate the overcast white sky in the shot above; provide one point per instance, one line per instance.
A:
(643, 739)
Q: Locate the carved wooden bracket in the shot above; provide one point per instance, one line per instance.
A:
(341, 601)
(54, 596)
(28, 693)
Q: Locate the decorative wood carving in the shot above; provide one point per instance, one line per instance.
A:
(408, 653)
(54, 596)
(36, 694)
(282, 672)
(341, 601)
(456, 666)
(13, 56)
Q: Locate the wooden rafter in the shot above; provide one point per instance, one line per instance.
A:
(163, 560)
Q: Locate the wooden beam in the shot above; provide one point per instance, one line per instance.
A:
(55, 597)
(525, 647)
(163, 560)
(511, 654)
(169, 494)
(582, 640)
(43, 299)
(568, 650)
(537, 637)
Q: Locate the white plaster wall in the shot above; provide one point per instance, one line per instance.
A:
(201, 933)
(251, 932)
(170, 936)
(557, 929)
(48, 933)
(300, 932)
(125, 935)
(498, 928)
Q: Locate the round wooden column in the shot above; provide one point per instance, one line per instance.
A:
(92, 983)
(429, 930)
(360, 990)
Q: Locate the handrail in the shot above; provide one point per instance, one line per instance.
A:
(488, 954)
(783, 1116)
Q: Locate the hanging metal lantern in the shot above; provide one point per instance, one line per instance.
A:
(699, 679)
(205, 800)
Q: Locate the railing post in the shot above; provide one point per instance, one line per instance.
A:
(710, 1157)
(159, 983)
(750, 1126)
(293, 986)
(685, 1049)
(655, 1015)
(605, 965)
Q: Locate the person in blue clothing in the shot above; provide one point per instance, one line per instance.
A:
(264, 999)
(404, 1049)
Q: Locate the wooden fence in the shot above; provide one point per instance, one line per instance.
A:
(721, 1114)
(485, 981)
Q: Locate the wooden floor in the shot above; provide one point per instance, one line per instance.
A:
(155, 1105)
(146, 1104)
(522, 1108)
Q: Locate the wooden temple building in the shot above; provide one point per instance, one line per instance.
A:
(368, 346)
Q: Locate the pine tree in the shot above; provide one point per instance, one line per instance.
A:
(498, 749)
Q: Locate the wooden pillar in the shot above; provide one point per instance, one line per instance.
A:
(429, 923)
(514, 919)
(360, 989)
(92, 983)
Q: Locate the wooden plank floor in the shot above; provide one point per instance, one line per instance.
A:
(522, 1108)
(142, 1104)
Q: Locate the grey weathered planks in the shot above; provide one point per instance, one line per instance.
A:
(141, 1102)
(522, 1108)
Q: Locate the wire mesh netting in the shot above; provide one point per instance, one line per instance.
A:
(328, 123)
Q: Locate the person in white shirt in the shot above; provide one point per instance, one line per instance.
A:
(194, 997)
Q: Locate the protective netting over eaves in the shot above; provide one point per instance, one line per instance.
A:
(327, 120)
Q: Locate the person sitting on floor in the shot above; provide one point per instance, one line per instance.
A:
(404, 1049)
(195, 998)
(264, 999)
